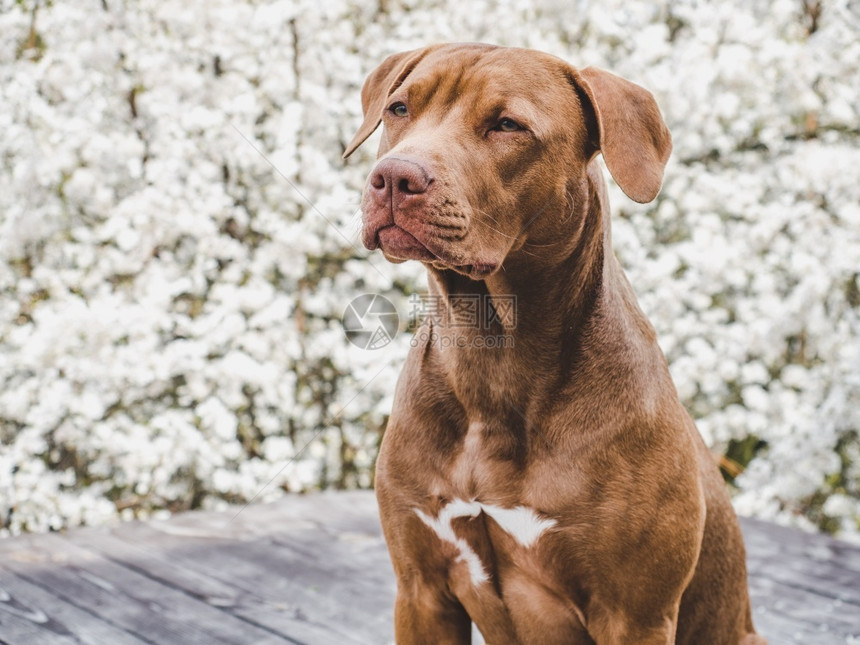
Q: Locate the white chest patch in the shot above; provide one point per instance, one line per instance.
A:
(521, 523)
(441, 525)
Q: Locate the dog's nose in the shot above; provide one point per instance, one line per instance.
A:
(402, 177)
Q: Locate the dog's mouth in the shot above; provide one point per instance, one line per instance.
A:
(399, 245)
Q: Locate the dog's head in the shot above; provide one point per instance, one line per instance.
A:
(484, 148)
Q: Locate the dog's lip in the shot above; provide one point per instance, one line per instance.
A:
(401, 244)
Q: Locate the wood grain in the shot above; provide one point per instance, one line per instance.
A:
(314, 570)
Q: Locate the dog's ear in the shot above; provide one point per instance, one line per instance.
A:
(631, 134)
(378, 87)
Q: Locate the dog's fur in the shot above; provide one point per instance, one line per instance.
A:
(553, 490)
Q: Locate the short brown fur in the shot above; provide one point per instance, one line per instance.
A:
(578, 419)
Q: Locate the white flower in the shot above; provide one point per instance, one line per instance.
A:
(170, 303)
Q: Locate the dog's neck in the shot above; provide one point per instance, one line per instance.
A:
(545, 302)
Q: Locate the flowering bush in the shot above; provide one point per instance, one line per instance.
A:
(178, 240)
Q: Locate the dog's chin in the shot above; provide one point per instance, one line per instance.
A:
(476, 271)
(398, 245)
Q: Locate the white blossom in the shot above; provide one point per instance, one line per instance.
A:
(179, 239)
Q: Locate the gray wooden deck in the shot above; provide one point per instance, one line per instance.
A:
(314, 569)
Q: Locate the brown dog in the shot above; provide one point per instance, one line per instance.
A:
(551, 487)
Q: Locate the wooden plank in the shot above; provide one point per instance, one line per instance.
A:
(30, 614)
(293, 538)
(314, 570)
(786, 614)
(152, 612)
(805, 588)
(819, 563)
(316, 581)
(265, 594)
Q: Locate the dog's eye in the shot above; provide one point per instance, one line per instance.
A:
(508, 125)
(398, 109)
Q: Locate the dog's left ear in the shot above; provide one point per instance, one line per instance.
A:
(631, 133)
(378, 87)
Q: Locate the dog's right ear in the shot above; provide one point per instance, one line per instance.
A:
(378, 87)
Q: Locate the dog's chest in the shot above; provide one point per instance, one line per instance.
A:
(486, 526)
(490, 461)
(464, 525)
(501, 557)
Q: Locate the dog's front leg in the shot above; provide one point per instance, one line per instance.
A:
(423, 616)
(620, 629)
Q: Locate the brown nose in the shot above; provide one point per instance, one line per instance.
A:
(399, 178)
